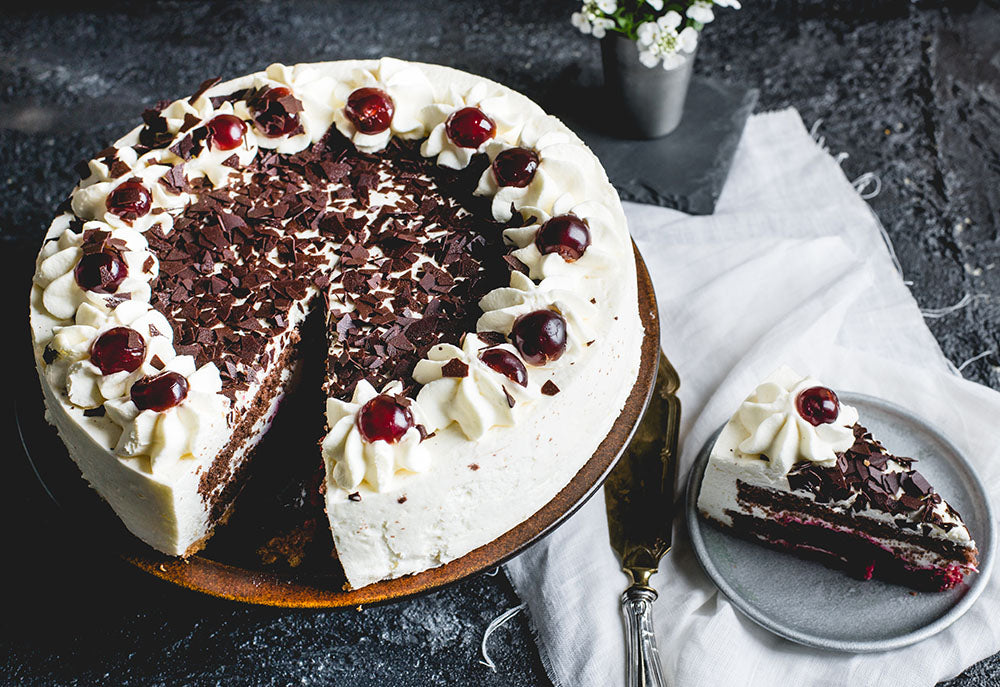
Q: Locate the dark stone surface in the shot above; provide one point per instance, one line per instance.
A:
(686, 169)
(910, 89)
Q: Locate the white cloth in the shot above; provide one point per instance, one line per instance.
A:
(790, 269)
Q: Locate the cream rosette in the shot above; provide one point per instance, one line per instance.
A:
(89, 199)
(777, 430)
(482, 399)
(351, 460)
(86, 385)
(497, 106)
(606, 247)
(410, 91)
(208, 162)
(501, 307)
(313, 88)
(61, 295)
(565, 166)
(195, 426)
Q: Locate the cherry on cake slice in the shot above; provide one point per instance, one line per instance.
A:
(794, 468)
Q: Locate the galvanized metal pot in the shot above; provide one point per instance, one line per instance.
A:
(649, 100)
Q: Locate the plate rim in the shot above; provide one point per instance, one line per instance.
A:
(286, 590)
(695, 524)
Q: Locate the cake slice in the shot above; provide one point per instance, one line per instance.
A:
(794, 469)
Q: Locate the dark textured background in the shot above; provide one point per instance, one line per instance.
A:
(910, 89)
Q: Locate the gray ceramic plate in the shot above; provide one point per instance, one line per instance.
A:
(811, 604)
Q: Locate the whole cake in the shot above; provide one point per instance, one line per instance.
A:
(794, 469)
(467, 251)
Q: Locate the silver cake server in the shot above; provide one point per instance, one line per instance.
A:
(640, 506)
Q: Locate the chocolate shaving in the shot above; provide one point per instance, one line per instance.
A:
(205, 85)
(549, 388)
(455, 368)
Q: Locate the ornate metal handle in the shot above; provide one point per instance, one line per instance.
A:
(642, 668)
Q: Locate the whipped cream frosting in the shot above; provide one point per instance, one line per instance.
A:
(351, 459)
(313, 87)
(481, 399)
(410, 91)
(501, 307)
(565, 168)
(777, 430)
(61, 295)
(491, 101)
(195, 426)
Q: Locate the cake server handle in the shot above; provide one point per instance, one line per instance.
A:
(643, 658)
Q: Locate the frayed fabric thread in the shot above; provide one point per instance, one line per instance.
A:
(496, 624)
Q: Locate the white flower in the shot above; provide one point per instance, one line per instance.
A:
(601, 26)
(688, 39)
(607, 6)
(648, 58)
(647, 33)
(670, 20)
(660, 40)
(735, 4)
(655, 4)
(579, 20)
(701, 11)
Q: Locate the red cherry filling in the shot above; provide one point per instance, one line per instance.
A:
(383, 419)
(566, 235)
(469, 127)
(370, 110)
(818, 405)
(506, 363)
(276, 112)
(118, 350)
(225, 131)
(101, 272)
(159, 393)
(540, 336)
(129, 200)
(515, 167)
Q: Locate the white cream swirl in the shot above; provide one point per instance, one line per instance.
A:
(351, 459)
(776, 429)
(482, 399)
(565, 166)
(606, 247)
(86, 385)
(498, 107)
(410, 91)
(313, 88)
(54, 273)
(89, 199)
(501, 307)
(197, 426)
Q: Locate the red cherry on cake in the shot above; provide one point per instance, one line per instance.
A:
(384, 419)
(118, 350)
(515, 167)
(818, 405)
(129, 200)
(271, 116)
(540, 336)
(506, 363)
(225, 131)
(159, 393)
(567, 235)
(370, 110)
(469, 127)
(101, 272)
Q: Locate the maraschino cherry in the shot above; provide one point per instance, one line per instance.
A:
(818, 405)
(121, 349)
(567, 235)
(506, 363)
(370, 110)
(469, 127)
(101, 272)
(271, 116)
(515, 167)
(383, 419)
(540, 336)
(225, 131)
(130, 200)
(159, 393)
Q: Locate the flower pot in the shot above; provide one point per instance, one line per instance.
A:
(648, 100)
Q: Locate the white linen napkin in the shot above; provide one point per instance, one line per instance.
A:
(790, 269)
